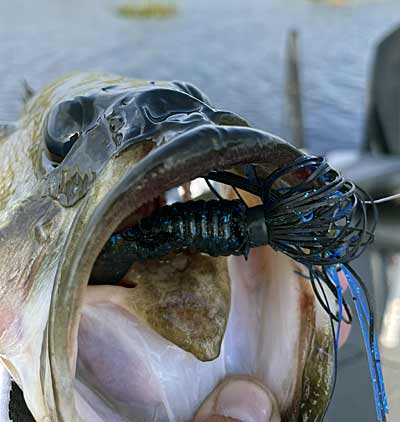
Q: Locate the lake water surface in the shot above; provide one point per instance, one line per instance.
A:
(232, 49)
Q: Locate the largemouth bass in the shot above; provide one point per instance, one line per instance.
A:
(90, 154)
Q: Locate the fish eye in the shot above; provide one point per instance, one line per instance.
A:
(62, 129)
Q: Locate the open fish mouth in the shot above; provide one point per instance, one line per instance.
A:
(153, 343)
(141, 344)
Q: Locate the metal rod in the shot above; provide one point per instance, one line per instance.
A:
(293, 87)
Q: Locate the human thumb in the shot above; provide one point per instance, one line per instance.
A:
(241, 399)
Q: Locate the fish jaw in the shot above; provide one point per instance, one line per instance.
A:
(184, 158)
(80, 225)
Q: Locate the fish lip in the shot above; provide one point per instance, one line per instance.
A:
(119, 120)
(189, 155)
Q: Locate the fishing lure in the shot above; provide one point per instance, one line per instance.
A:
(308, 211)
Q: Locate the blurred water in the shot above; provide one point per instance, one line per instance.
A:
(232, 49)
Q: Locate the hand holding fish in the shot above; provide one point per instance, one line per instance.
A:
(239, 399)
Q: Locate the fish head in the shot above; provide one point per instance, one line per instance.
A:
(90, 154)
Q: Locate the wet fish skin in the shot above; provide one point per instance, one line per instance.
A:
(38, 204)
(47, 214)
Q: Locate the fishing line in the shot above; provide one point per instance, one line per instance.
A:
(384, 199)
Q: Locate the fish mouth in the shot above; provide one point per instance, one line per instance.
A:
(77, 389)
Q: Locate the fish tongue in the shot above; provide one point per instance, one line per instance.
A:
(185, 298)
